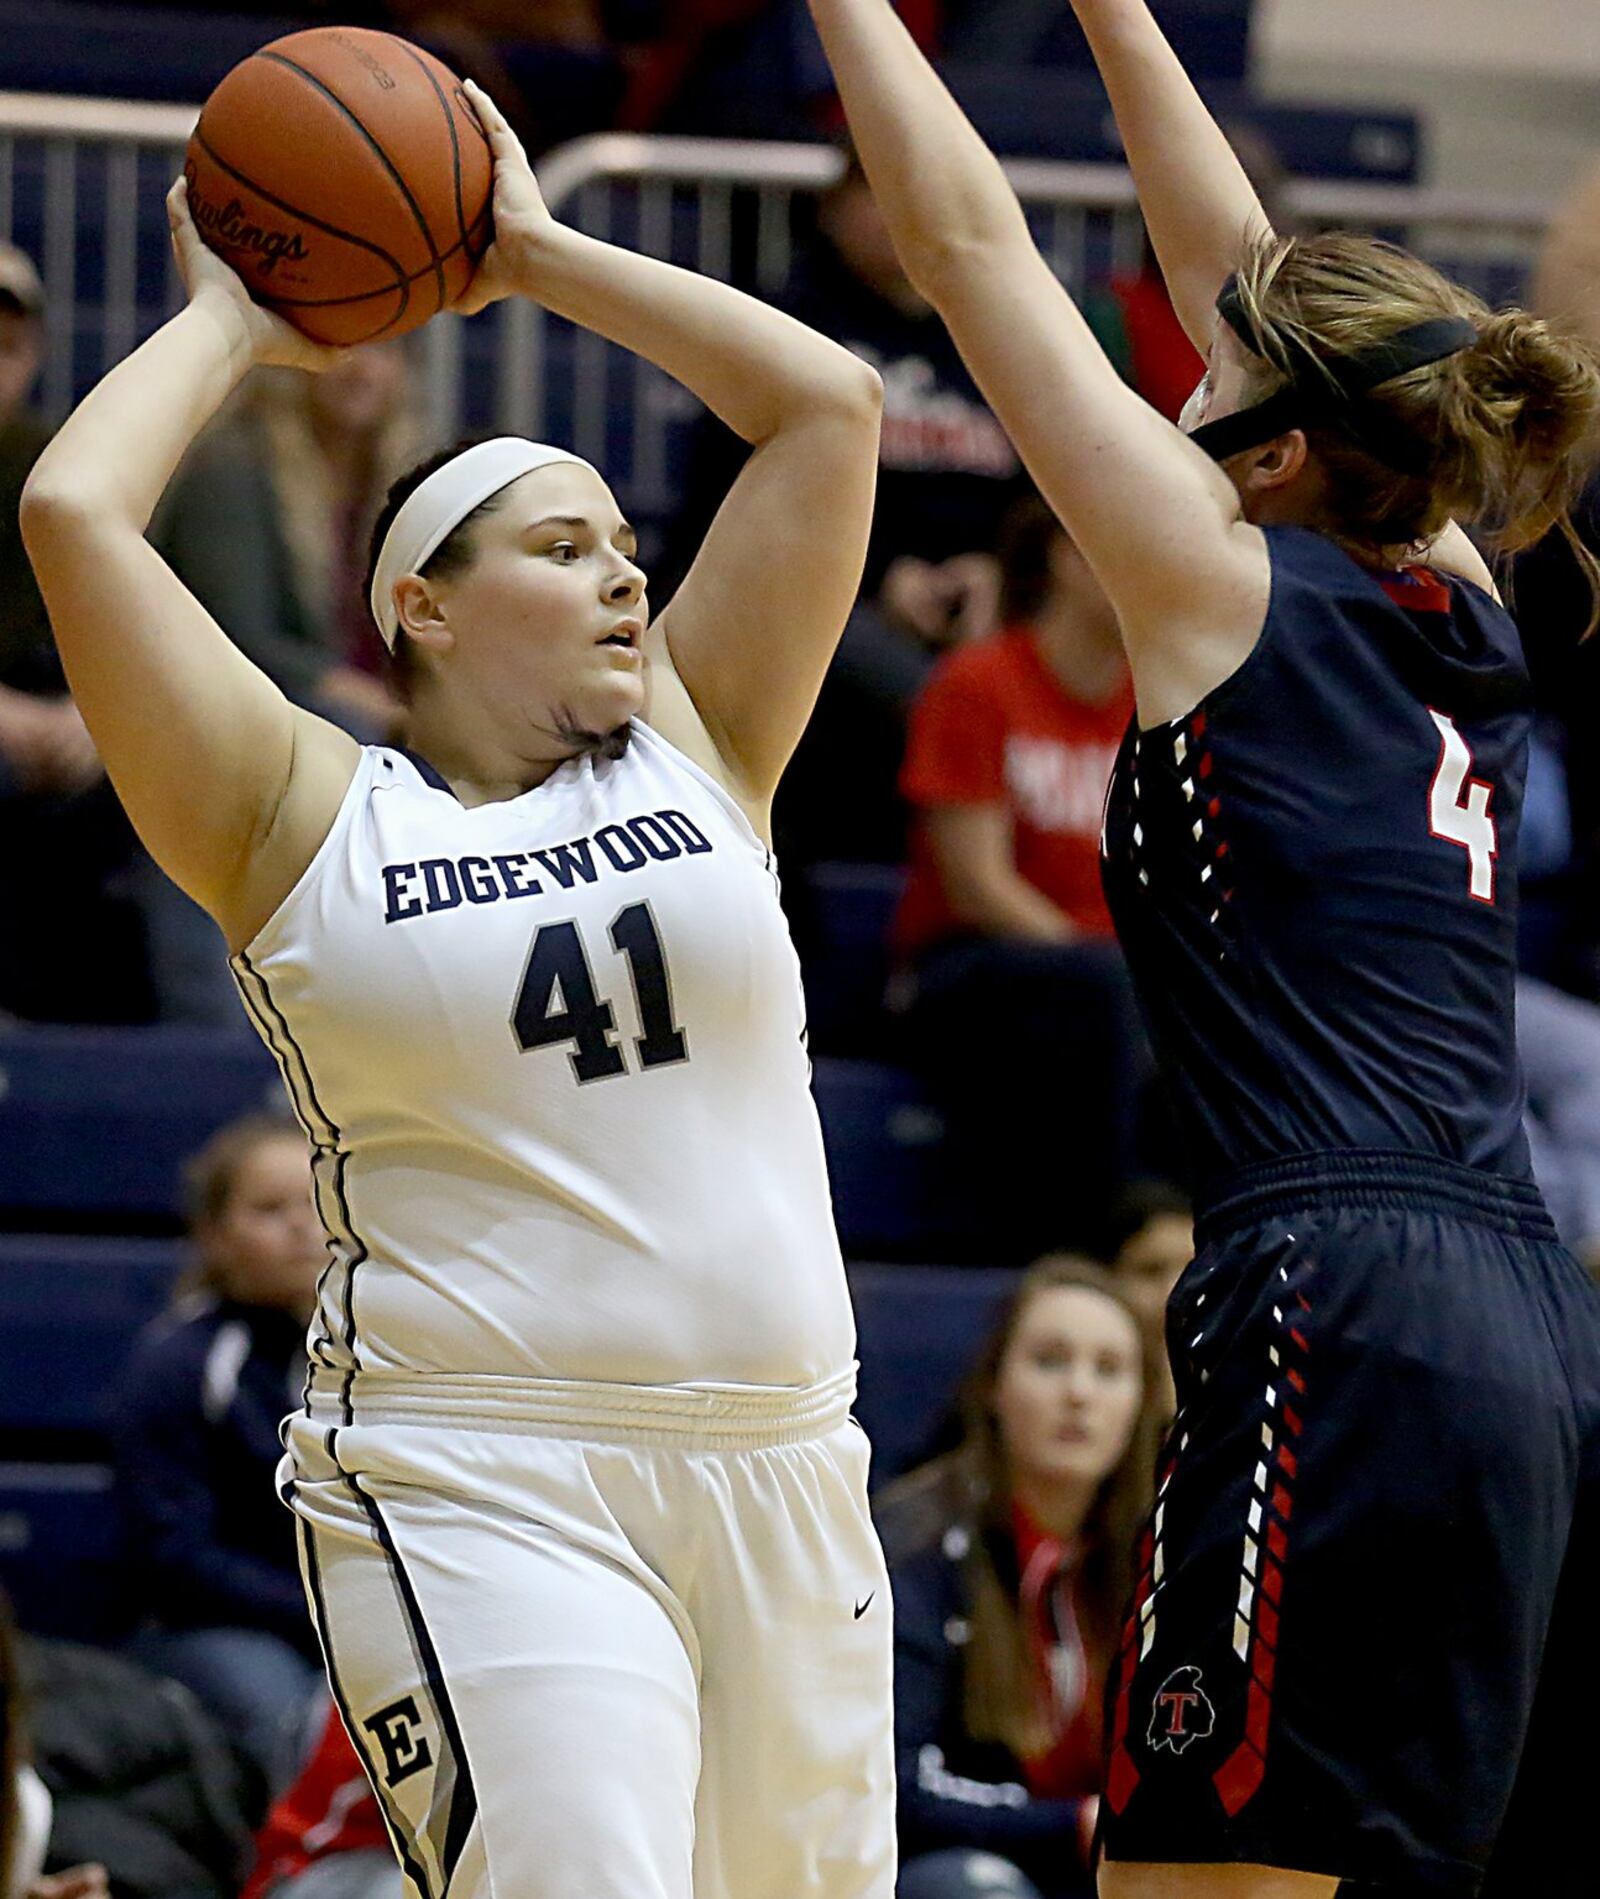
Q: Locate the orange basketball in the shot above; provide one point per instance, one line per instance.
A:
(344, 175)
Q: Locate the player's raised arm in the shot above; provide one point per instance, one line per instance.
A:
(1201, 209)
(751, 630)
(230, 787)
(1159, 523)
(1199, 205)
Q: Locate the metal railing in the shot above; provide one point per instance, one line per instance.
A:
(82, 180)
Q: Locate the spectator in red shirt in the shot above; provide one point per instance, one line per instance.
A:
(325, 1837)
(1020, 1011)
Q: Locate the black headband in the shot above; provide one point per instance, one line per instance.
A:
(1331, 390)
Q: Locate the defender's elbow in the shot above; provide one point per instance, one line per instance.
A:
(979, 246)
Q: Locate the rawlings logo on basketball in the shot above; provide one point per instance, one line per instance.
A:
(227, 224)
(1182, 1712)
(362, 57)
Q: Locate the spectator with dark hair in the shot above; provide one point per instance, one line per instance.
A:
(1012, 1563)
(555, 66)
(26, 1809)
(211, 1549)
(947, 475)
(1020, 1012)
(65, 954)
(1149, 1241)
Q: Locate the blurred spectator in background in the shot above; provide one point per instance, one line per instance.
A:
(68, 951)
(211, 1548)
(1133, 315)
(38, 735)
(1019, 1010)
(553, 66)
(742, 69)
(1149, 1242)
(268, 519)
(267, 523)
(103, 1759)
(325, 1837)
(1566, 283)
(1012, 1563)
(1552, 600)
(24, 1798)
(1558, 1038)
(947, 475)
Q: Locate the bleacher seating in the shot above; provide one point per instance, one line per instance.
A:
(69, 1309)
(843, 915)
(91, 50)
(919, 1328)
(1066, 115)
(59, 1543)
(96, 1123)
(882, 1139)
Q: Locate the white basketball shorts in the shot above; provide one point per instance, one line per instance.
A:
(605, 1642)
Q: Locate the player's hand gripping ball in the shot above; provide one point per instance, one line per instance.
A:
(344, 176)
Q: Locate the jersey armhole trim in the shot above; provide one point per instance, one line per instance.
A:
(719, 792)
(360, 784)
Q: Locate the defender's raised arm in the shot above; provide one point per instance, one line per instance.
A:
(1201, 209)
(1158, 522)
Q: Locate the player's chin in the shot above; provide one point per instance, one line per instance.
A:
(615, 698)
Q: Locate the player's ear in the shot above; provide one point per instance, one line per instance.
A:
(421, 614)
(1277, 463)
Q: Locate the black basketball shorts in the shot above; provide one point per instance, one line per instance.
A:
(1367, 1592)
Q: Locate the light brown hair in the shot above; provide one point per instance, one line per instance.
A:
(1000, 1696)
(209, 1177)
(1509, 430)
(309, 503)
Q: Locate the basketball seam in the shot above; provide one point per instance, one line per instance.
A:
(402, 282)
(455, 139)
(311, 79)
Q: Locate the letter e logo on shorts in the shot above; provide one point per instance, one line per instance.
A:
(398, 1731)
(1182, 1712)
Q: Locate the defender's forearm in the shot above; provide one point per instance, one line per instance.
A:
(1200, 207)
(940, 189)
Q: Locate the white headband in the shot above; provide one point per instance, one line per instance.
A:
(439, 506)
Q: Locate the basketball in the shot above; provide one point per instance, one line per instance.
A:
(343, 174)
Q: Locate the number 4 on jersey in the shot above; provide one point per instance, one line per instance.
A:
(1463, 820)
(558, 1001)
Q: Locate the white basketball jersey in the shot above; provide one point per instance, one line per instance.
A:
(550, 1054)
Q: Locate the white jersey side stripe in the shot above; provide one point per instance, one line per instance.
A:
(346, 1248)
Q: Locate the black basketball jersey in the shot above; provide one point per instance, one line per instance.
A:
(1313, 875)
